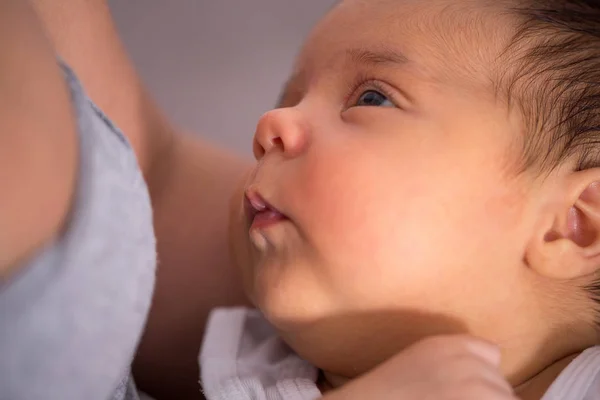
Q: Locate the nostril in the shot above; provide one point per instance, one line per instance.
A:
(277, 142)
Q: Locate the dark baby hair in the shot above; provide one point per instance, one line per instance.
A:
(555, 80)
(555, 83)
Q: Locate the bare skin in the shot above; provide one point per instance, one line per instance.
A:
(195, 273)
(343, 172)
(37, 138)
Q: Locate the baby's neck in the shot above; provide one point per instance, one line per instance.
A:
(536, 387)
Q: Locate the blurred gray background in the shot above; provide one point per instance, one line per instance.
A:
(214, 66)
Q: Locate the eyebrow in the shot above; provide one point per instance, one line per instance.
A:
(385, 56)
(372, 58)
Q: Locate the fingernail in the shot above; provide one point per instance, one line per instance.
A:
(488, 351)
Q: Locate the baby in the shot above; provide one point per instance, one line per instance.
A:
(433, 168)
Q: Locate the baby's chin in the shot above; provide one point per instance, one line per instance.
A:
(350, 344)
(341, 345)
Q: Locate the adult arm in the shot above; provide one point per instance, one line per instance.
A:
(37, 138)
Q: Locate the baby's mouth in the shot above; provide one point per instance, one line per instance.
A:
(259, 213)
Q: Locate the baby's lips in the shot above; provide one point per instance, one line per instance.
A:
(255, 204)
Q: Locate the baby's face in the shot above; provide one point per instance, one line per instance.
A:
(393, 164)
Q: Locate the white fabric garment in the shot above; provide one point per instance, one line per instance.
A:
(580, 380)
(243, 358)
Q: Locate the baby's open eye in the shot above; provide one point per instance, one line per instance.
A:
(373, 98)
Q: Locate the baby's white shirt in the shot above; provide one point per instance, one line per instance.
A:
(580, 380)
(243, 358)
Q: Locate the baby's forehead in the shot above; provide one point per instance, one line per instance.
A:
(439, 39)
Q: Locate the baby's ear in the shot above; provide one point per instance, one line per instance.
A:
(569, 246)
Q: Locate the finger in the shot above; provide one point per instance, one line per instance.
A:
(477, 391)
(496, 381)
(470, 370)
(485, 350)
(452, 345)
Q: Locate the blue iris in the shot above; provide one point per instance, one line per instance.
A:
(373, 98)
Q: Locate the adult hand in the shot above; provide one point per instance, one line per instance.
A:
(455, 367)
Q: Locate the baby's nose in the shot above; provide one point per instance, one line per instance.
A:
(282, 130)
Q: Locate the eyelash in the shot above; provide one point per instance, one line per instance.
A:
(363, 83)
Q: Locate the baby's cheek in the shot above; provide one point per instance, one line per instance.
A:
(372, 261)
(488, 224)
